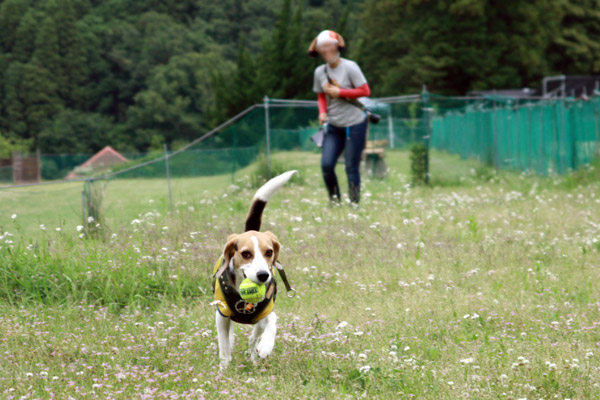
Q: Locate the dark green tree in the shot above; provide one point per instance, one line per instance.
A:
(46, 54)
(5, 60)
(25, 36)
(455, 46)
(173, 106)
(235, 90)
(98, 89)
(11, 12)
(73, 72)
(72, 131)
(30, 99)
(285, 69)
(576, 47)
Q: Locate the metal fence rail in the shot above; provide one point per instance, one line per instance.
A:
(534, 134)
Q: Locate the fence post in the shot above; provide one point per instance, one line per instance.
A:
(16, 167)
(555, 151)
(38, 160)
(541, 166)
(234, 158)
(391, 128)
(517, 155)
(84, 222)
(495, 139)
(597, 128)
(168, 176)
(563, 136)
(426, 110)
(268, 134)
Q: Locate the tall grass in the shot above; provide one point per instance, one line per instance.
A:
(484, 289)
(263, 171)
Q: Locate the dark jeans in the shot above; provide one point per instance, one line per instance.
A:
(352, 140)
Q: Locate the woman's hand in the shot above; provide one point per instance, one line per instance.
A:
(322, 118)
(332, 91)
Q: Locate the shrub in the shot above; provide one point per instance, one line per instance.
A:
(261, 173)
(93, 194)
(418, 163)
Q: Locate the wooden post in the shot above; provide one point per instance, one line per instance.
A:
(38, 158)
(268, 134)
(168, 170)
(17, 166)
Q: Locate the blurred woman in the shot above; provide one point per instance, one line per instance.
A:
(346, 128)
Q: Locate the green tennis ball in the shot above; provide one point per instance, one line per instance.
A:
(252, 292)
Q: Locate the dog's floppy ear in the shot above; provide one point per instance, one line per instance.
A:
(312, 49)
(276, 245)
(230, 247)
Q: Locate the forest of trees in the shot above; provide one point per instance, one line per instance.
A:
(76, 75)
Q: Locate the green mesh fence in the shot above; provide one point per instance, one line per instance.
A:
(506, 133)
(529, 135)
(402, 122)
(58, 166)
(237, 146)
(6, 175)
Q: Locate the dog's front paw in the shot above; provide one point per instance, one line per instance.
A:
(253, 355)
(224, 364)
(265, 347)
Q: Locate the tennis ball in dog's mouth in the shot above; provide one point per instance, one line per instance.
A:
(252, 292)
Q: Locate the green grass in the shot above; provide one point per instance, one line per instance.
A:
(481, 287)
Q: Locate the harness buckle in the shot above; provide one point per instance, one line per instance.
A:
(292, 291)
(243, 307)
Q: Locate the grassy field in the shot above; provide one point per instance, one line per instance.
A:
(483, 286)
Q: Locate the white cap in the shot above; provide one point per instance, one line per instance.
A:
(327, 37)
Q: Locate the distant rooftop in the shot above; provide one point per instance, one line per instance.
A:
(102, 159)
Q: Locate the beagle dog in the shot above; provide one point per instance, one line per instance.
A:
(251, 255)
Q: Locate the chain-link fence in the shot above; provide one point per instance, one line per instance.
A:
(540, 135)
(522, 134)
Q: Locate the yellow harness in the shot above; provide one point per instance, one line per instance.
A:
(231, 305)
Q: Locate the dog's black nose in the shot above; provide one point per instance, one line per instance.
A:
(262, 276)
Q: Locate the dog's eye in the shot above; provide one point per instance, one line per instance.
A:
(269, 253)
(246, 254)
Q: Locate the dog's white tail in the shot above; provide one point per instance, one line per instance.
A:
(262, 196)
